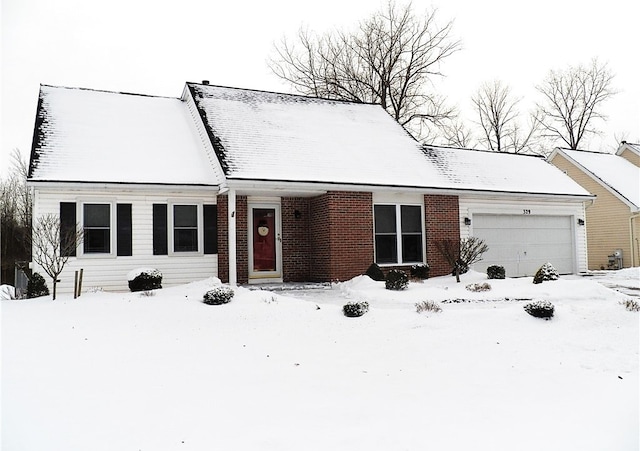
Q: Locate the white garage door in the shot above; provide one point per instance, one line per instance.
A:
(523, 243)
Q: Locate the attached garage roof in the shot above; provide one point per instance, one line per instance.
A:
(84, 135)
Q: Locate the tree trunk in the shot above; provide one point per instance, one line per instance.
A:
(55, 282)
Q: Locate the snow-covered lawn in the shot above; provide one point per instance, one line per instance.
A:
(287, 371)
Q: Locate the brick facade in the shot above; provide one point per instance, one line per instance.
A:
(330, 237)
(442, 220)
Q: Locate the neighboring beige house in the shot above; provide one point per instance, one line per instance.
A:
(613, 221)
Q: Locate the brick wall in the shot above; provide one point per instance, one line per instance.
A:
(296, 245)
(341, 235)
(442, 219)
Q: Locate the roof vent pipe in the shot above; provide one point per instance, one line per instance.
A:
(205, 82)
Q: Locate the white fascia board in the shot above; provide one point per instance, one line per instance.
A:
(106, 186)
(595, 178)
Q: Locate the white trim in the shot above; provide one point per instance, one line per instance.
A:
(80, 203)
(171, 228)
(231, 237)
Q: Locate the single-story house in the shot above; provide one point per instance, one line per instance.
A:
(254, 186)
(613, 221)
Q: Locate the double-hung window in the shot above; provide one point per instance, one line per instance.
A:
(97, 228)
(398, 233)
(185, 228)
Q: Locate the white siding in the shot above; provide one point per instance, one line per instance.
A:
(109, 272)
(518, 206)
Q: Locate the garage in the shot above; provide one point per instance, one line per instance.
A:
(522, 243)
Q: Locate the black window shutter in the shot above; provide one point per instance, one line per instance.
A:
(124, 230)
(210, 229)
(67, 227)
(160, 246)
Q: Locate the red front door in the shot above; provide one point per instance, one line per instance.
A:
(264, 240)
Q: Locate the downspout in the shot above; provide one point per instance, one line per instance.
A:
(635, 250)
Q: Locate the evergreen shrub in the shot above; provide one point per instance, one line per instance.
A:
(37, 286)
(375, 272)
(145, 279)
(546, 272)
(396, 280)
(495, 272)
(218, 296)
(355, 309)
(540, 309)
(420, 271)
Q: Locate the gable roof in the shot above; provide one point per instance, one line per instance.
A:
(84, 135)
(614, 172)
(635, 148)
(278, 137)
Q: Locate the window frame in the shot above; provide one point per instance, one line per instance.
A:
(172, 227)
(399, 233)
(112, 227)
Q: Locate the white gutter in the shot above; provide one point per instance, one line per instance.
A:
(635, 250)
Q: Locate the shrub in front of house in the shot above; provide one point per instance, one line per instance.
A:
(375, 272)
(631, 305)
(540, 309)
(37, 286)
(546, 272)
(218, 296)
(144, 279)
(355, 309)
(396, 280)
(496, 272)
(477, 287)
(420, 271)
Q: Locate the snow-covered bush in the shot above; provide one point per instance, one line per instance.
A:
(355, 309)
(37, 286)
(495, 272)
(478, 287)
(546, 272)
(631, 304)
(428, 306)
(375, 272)
(540, 309)
(144, 279)
(420, 271)
(396, 280)
(218, 296)
(7, 293)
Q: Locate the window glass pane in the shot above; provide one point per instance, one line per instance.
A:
(411, 248)
(96, 241)
(411, 217)
(185, 216)
(385, 218)
(97, 215)
(185, 240)
(386, 249)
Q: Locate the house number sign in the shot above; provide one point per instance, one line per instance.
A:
(526, 212)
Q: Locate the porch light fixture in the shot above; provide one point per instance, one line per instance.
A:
(580, 221)
(467, 221)
(297, 214)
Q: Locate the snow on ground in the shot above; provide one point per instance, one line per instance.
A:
(287, 371)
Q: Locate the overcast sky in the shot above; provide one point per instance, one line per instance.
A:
(154, 47)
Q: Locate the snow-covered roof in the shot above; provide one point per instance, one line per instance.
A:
(476, 170)
(613, 171)
(290, 138)
(98, 136)
(627, 145)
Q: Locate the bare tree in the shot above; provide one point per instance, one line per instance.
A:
(456, 133)
(15, 217)
(499, 118)
(461, 253)
(391, 58)
(573, 100)
(53, 244)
